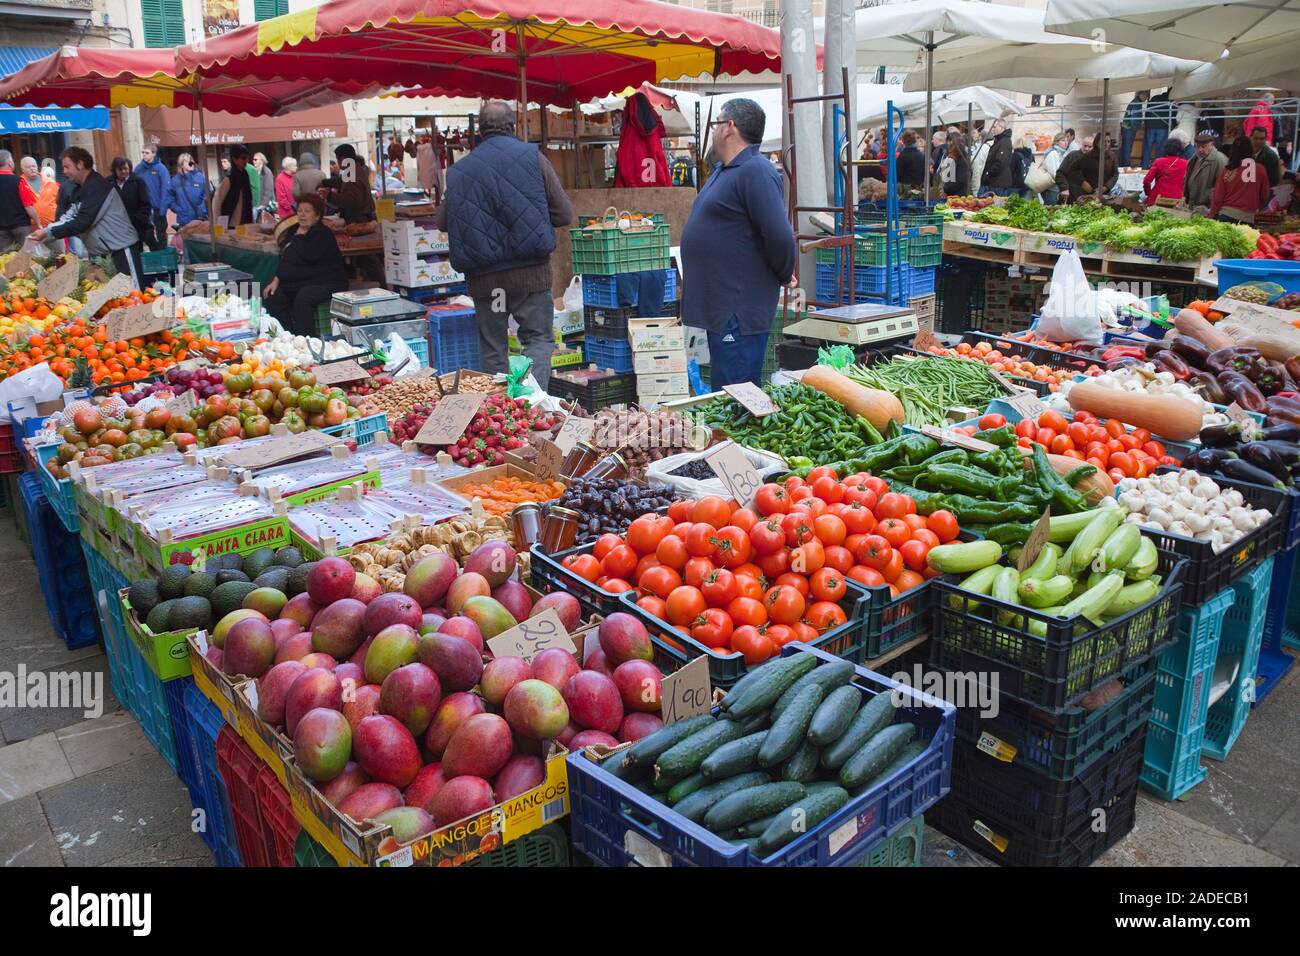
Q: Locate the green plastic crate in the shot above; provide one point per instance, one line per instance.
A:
(159, 261)
(323, 320)
(307, 852)
(870, 249)
(612, 251)
(547, 846)
(901, 849)
(924, 251)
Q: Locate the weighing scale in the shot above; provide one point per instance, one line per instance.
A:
(858, 324)
(216, 277)
(371, 306)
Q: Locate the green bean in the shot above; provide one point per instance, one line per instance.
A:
(929, 386)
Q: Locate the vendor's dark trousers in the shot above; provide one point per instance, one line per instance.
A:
(1126, 138)
(736, 358)
(155, 237)
(127, 262)
(535, 313)
(13, 237)
(296, 306)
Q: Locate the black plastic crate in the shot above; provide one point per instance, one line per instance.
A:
(1071, 361)
(549, 574)
(797, 353)
(612, 323)
(600, 393)
(1064, 746)
(1075, 658)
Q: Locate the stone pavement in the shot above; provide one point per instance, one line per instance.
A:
(95, 792)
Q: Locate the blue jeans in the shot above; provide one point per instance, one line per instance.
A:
(1153, 145)
(1051, 196)
(735, 357)
(1126, 137)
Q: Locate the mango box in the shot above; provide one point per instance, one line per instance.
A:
(312, 550)
(656, 335)
(158, 554)
(272, 748)
(167, 654)
(212, 683)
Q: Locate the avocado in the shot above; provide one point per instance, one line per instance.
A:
(273, 577)
(298, 578)
(190, 612)
(229, 597)
(230, 575)
(288, 557)
(159, 618)
(171, 583)
(258, 561)
(200, 584)
(227, 562)
(144, 597)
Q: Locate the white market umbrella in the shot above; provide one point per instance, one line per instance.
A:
(1187, 28)
(1256, 64)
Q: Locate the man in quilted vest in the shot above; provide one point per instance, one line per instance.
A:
(503, 203)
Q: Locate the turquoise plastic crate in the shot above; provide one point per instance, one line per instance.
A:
(901, 849)
(1243, 633)
(420, 348)
(57, 491)
(363, 430)
(104, 581)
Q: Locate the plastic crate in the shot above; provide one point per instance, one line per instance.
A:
(163, 261)
(611, 323)
(614, 823)
(869, 249)
(239, 767)
(11, 459)
(549, 574)
(324, 322)
(308, 853)
(901, 849)
(150, 700)
(918, 281)
(204, 723)
(279, 828)
(1063, 361)
(60, 568)
(867, 281)
(617, 389)
(106, 582)
(1074, 659)
(420, 349)
(57, 491)
(547, 846)
(613, 355)
(186, 763)
(602, 291)
(924, 251)
(1243, 634)
(361, 430)
(1065, 746)
(611, 251)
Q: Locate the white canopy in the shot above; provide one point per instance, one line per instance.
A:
(1188, 28)
(1256, 64)
(1056, 68)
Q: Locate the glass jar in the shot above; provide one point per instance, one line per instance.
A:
(612, 465)
(526, 520)
(580, 458)
(559, 530)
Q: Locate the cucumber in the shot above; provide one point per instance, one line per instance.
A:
(908, 754)
(758, 673)
(834, 715)
(819, 785)
(646, 751)
(734, 757)
(760, 695)
(694, 807)
(686, 786)
(749, 842)
(966, 557)
(752, 803)
(800, 817)
(790, 729)
(683, 759)
(614, 764)
(830, 675)
(875, 755)
(803, 764)
(875, 716)
(755, 828)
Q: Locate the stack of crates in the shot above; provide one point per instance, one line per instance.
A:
(265, 827)
(202, 722)
(1239, 653)
(60, 568)
(454, 334)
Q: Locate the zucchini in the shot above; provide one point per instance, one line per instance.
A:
(1093, 602)
(683, 759)
(1131, 596)
(803, 764)
(875, 755)
(966, 557)
(834, 715)
(791, 727)
(830, 675)
(1044, 565)
(1144, 561)
(1083, 549)
(1045, 592)
(694, 807)
(734, 757)
(752, 803)
(1005, 586)
(875, 716)
(1119, 548)
(908, 754)
(1062, 528)
(981, 582)
(646, 751)
(686, 786)
(800, 817)
(760, 695)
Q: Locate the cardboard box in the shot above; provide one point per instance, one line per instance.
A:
(664, 334)
(659, 363)
(483, 476)
(662, 399)
(675, 384)
(417, 272)
(270, 532)
(413, 237)
(212, 683)
(167, 654)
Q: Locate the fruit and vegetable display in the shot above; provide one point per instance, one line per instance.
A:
(1241, 450)
(609, 505)
(969, 203)
(642, 437)
(929, 387)
(1110, 446)
(1147, 378)
(389, 560)
(1011, 365)
(1190, 505)
(1284, 246)
(500, 425)
(790, 744)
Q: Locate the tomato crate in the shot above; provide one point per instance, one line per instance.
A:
(1243, 637)
(203, 723)
(1064, 746)
(279, 827)
(1065, 361)
(674, 650)
(1051, 673)
(601, 251)
(364, 430)
(616, 824)
(549, 574)
(239, 767)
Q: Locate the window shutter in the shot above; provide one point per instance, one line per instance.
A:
(164, 22)
(266, 9)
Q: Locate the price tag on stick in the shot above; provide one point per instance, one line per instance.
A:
(753, 398)
(1027, 404)
(573, 431)
(449, 419)
(947, 436)
(738, 476)
(137, 321)
(114, 288)
(686, 693)
(529, 638)
(925, 341)
(19, 264)
(549, 459)
(1034, 543)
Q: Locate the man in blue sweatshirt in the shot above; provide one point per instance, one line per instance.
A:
(151, 171)
(737, 249)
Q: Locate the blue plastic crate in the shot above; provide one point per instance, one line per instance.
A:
(105, 583)
(614, 355)
(60, 567)
(151, 705)
(363, 430)
(186, 766)
(420, 349)
(454, 332)
(203, 723)
(603, 290)
(867, 280)
(918, 281)
(57, 492)
(1243, 634)
(610, 818)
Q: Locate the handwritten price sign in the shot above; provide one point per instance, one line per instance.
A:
(529, 638)
(753, 398)
(573, 431)
(738, 476)
(449, 419)
(335, 372)
(687, 693)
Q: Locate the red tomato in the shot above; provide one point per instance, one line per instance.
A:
(1024, 442)
(682, 529)
(733, 548)
(893, 505)
(645, 533)
(828, 490)
(1052, 420)
(802, 493)
(653, 604)
(797, 581)
(894, 530)
(830, 529)
(1115, 428)
(747, 611)
(696, 570)
(914, 553)
(876, 484)
(767, 537)
(821, 471)
(1087, 418)
(837, 510)
(840, 558)
(1045, 436)
(910, 579)
(914, 522)
(825, 615)
(853, 480)
(774, 565)
(803, 631)
(743, 518)
(712, 510)
(875, 552)
(1116, 475)
(779, 635)
(772, 499)
(644, 565)
(1073, 453)
(756, 646)
(700, 540)
(784, 604)
(1025, 428)
(685, 604)
(748, 585)
(893, 567)
(680, 511)
(860, 495)
(853, 542)
(808, 557)
(720, 588)
(1061, 444)
(813, 506)
(1129, 442)
(750, 568)
(1124, 462)
(1078, 433)
(992, 420)
(798, 528)
(1096, 462)
(605, 544)
(926, 537)
(944, 524)
(616, 586)
(713, 628)
(793, 482)
(660, 581)
(584, 566)
(672, 552)
(1142, 435)
(828, 585)
(865, 575)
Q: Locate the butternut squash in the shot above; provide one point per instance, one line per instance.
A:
(1190, 322)
(1162, 415)
(875, 405)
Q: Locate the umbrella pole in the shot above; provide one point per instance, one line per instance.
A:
(1099, 140)
(523, 81)
(203, 159)
(970, 138)
(929, 97)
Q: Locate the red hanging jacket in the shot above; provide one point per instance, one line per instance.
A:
(641, 140)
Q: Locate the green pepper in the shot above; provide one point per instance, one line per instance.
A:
(1010, 532)
(1003, 437)
(1069, 500)
(992, 512)
(990, 461)
(1078, 474)
(906, 472)
(868, 430)
(894, 430)
(963, 478)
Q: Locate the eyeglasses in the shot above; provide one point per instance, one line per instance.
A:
(720, 122)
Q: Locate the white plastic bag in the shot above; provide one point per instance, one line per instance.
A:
(268, 326)
(573, 296)
(399, 352)
(1072, 312)
(37, 383)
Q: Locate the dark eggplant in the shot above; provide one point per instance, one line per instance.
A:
(1286, 432)
(1289, 452)
(1193, 350)
(1207, 460)
(1167, 361)
(1245, 471)
(1238, 388)
(1261, 456)
(1219, 436)
(1208, 386)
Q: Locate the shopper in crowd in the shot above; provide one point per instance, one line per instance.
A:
(1242, 188)
(979, 156)
(1284, 195)
(187, 194)
(1165, 178)
(310, 270)
(46, 192)
(17, 205)
(1203, 171)
(502, 205)
(353, 198)
(1022, 157)
(154, 176)
(1052, 162)
(1134, 114)
(135, 197)
(737, 249)
(309, 175)
(1071, 144)
(997, 174)
(954, 170)
(910, 163)
(1261, 118)
(223, 165)
(1159, 120)
(284, 204)
(1077, 176)
(1211, 120)
(234, 199)
(96, 214)
(938, 149)
(1266, 156)
(261, 182)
